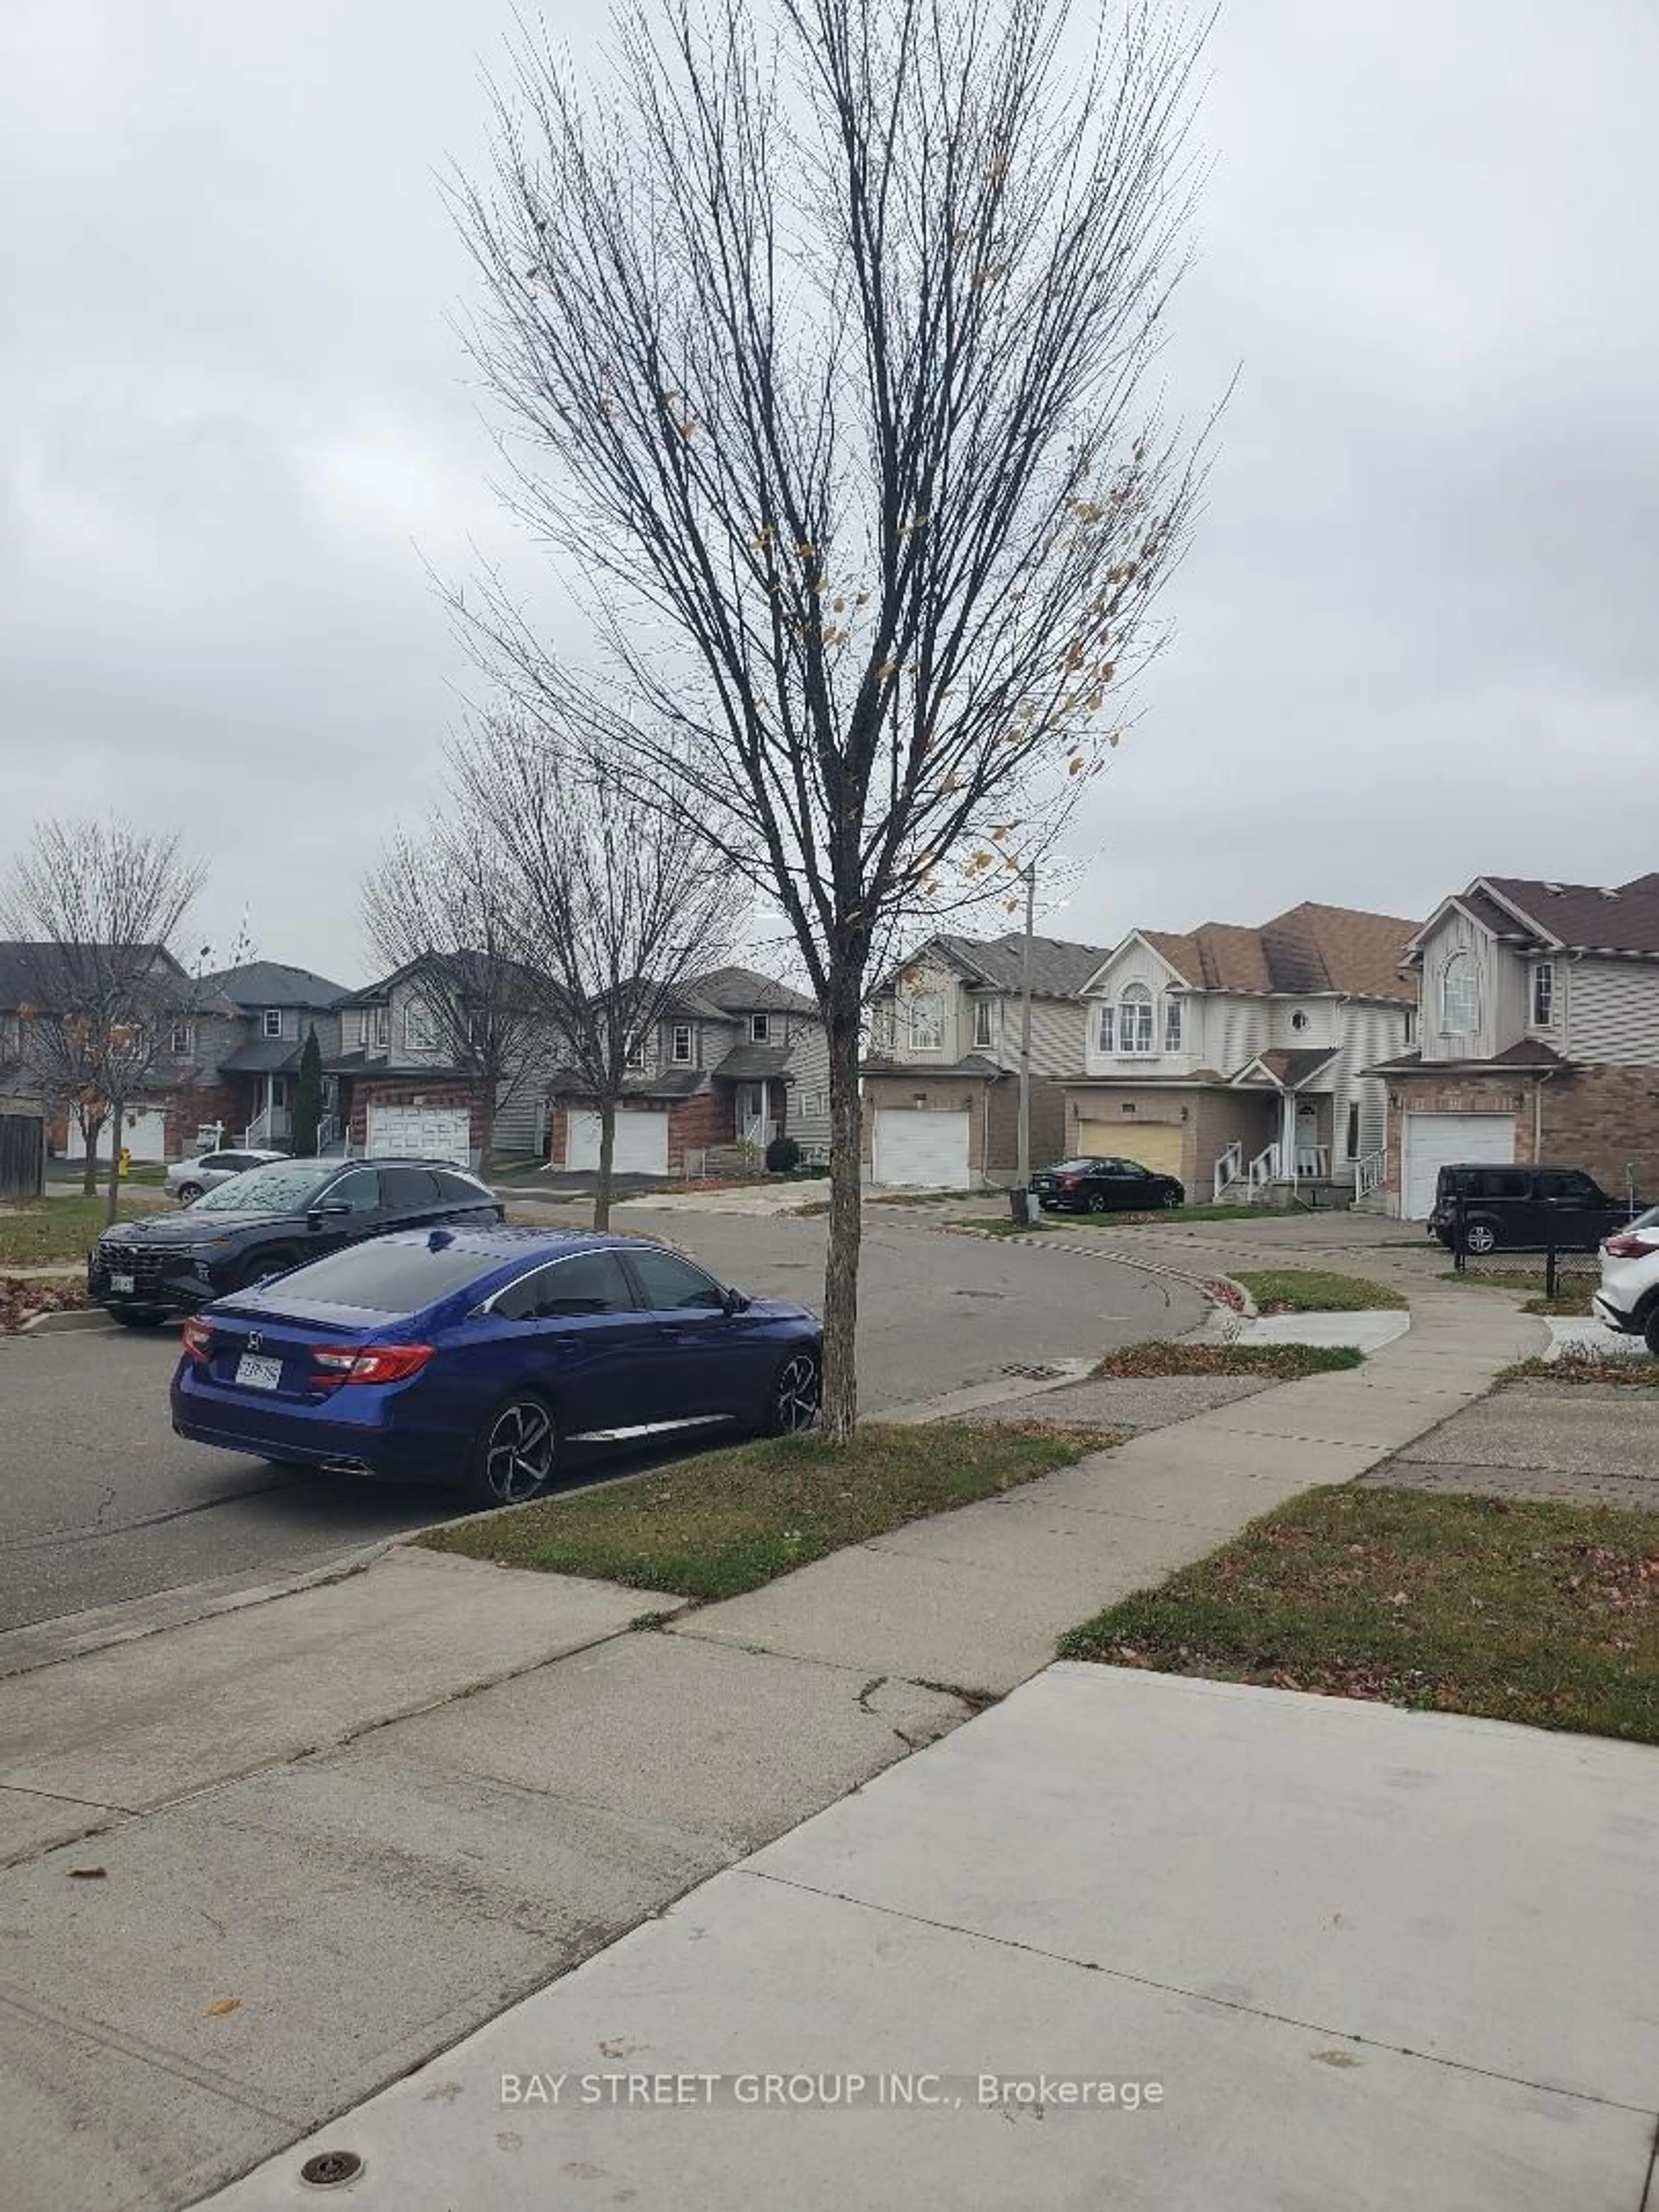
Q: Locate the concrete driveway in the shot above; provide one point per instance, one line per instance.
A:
(1594, 1444)
(1324, 1954)
(100, 1502)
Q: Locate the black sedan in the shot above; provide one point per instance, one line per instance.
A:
(268, 1220)
(1094, 1185)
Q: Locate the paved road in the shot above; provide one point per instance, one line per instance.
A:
(99, 1501)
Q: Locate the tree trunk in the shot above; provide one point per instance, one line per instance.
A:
(607, 1154)
(840, 1269)
(486, 1128)
(91, 1128)
(112, 1196)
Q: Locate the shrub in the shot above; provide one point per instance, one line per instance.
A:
(782, 1156)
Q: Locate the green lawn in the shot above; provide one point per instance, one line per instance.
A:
(713, 1526)
(1316, 1290)
(1283, 1363)
(1530, 1281)
(1544, 1614)
(59, 1229)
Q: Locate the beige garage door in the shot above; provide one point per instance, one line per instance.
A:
(1154, 1145)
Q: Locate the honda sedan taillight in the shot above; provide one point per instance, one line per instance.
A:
(198, 1340)
(369, 1362)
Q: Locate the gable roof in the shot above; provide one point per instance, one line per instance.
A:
(462, 970)
(1584, 917)
(1060, 968)
(1309, 950)
(741, 990)
(273, 983)
(29, 967)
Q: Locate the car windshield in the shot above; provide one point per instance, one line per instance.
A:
(285, 1187)
(1071, 1167)
(391, 1274)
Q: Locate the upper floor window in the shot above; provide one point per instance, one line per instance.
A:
(984, 1021)
(1543, 993)
(419, 1027)
(881, 1028)
(635, 1055)
(270, 1022)
(1172, 1025)
(760, 1028)
(928, 1022)
(1459, 995)
(1108, 1025)
(680, 1049)
(1135, 1018)
(179, 1041)
(1411, 1025)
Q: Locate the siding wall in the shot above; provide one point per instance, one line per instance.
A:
(1371, 1033)
(1139, 963)
(1231, 1029)
(1502, 991)
(808, 1111)
(1612, 1013)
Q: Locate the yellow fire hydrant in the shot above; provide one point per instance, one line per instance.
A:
(124, 1164)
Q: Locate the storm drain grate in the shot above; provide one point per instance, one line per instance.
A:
(1035, 1374)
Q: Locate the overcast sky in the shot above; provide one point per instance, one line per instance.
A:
(1416, 640)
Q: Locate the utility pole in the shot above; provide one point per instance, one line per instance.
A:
(1021, 1193)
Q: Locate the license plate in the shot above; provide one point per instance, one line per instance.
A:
(123, 1285)
(255, 1373)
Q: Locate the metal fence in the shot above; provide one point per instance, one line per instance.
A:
(1570, 1250)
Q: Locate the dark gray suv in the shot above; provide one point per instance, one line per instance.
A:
(1525, 1209)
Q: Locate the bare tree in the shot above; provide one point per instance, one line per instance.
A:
(618, 903)
(821, 328)
(448, 903)
(94, 905)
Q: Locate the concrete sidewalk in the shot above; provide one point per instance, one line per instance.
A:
(1326, 1955)
(323, 1837)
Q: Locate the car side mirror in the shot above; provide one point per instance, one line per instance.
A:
(327, 1214)
(736, 1302)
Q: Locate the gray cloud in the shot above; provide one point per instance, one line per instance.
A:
(1414, 639)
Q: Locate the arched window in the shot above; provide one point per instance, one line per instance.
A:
(1135, 1018)
(1459, 995)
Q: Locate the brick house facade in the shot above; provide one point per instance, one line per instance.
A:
(1539, 1029)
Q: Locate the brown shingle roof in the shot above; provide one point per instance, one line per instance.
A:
(1582, 917)
(1310, 948)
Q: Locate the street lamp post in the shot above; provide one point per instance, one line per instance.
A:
(1022, 1191)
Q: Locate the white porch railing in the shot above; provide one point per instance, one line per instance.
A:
(328, 1134)
(1313, 1163)
(1368, 1174)
(1229, 1168)
(1264, 1168)
(256, 1138)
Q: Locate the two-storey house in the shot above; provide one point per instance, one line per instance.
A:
(941, 1070)
(237, 1048)
(1237, 1058)
(733, 1059)
(446, 1057)
(1539, 1036)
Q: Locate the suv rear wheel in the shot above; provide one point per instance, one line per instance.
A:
(1481, 1237)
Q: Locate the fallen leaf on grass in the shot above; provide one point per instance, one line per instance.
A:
(221, 2006)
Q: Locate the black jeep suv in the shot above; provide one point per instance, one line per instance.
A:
(268, 1220)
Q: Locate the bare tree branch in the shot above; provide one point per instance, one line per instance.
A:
(822, 331)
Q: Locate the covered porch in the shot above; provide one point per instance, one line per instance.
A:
(1297, 1090)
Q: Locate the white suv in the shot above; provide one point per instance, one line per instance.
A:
(1628, 1300)
(187, 1179)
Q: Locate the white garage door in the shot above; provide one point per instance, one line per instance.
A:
(642, 1145)
(920, 1146)
(144, 1134)
(430, 1133)
(1433, 1141)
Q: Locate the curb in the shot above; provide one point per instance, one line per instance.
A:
(1044, 1240)
(71, 1318)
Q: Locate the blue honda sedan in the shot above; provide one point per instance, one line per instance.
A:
(482, 1356)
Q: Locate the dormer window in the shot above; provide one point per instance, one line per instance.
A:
(984, 1020)
(1543, 994)
(270, 1022)
(1135, 1018)
(1172, 1025)
(760, 1028)
(679, 1047)
(1460, 996)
